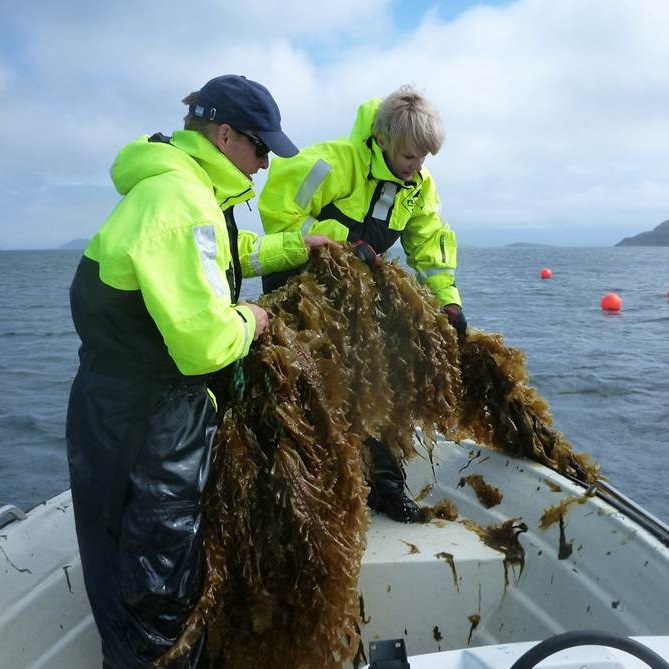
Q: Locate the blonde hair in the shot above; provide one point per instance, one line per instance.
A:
(407, 121)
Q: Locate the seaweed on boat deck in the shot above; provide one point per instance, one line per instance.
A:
(444, 509)
(503, 538)
(448, 557)
(487, 494)
(474, 619)
(348, 354)
(556, 513)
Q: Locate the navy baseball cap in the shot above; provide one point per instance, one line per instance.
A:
(247, 106)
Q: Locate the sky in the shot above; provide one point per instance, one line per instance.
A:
(556, 113)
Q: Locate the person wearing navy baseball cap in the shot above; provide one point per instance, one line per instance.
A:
(246, 106)
(155, 302)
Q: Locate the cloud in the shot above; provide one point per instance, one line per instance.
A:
(555, 113)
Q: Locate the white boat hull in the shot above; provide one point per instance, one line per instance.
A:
(45, 618)
(616, 578)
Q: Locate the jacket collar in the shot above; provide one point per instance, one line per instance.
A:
(230, 185)
(378, 167)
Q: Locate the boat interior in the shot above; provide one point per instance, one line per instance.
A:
(527, 553)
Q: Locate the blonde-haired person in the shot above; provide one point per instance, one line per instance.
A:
(406, 118)
(372, 189)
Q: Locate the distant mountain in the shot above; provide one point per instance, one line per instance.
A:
(80, 243)
(658, 236)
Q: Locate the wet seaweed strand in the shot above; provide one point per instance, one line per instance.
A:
(501, 409)
(348, 354)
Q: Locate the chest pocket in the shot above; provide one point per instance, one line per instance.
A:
(388, 213)
(375, 230)
(385, 219)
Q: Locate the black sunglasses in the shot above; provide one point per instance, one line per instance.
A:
(261, 148)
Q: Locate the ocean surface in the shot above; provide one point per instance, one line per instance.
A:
(605, 377)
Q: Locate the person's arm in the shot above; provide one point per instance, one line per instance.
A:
(298, 189)
(276, 252)
(431, 247)
(182, 276)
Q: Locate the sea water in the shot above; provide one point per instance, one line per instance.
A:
(605, 376)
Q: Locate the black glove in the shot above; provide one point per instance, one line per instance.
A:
(366, 253)
(455, 317)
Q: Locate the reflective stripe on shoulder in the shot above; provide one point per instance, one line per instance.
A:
(311, 182)
(205, 239)
(385, 202)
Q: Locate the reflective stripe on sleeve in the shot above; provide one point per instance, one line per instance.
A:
(311, 182)
(307, 225)
(254, 258)
(247, 331)
(205, 239)
(385, 201)
(425, 274)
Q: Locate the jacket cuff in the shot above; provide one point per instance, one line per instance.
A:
(283, 250)
(447, 295)
(249, 324)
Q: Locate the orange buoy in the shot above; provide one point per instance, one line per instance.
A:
(546, 273)
(611, 302)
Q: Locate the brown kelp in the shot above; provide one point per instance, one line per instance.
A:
(348, 354)
(501, 409)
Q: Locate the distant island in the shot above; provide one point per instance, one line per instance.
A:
(78, 244)
(658, 236)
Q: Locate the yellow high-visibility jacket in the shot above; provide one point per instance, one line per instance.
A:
(345, 190)
(161, 277)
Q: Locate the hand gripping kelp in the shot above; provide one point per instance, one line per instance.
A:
(348, 354)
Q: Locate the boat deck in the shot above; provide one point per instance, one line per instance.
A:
(440, 587)
(440, 574)
(436, 585)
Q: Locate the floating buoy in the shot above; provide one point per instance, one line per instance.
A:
(611, 302)
(546, 273)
